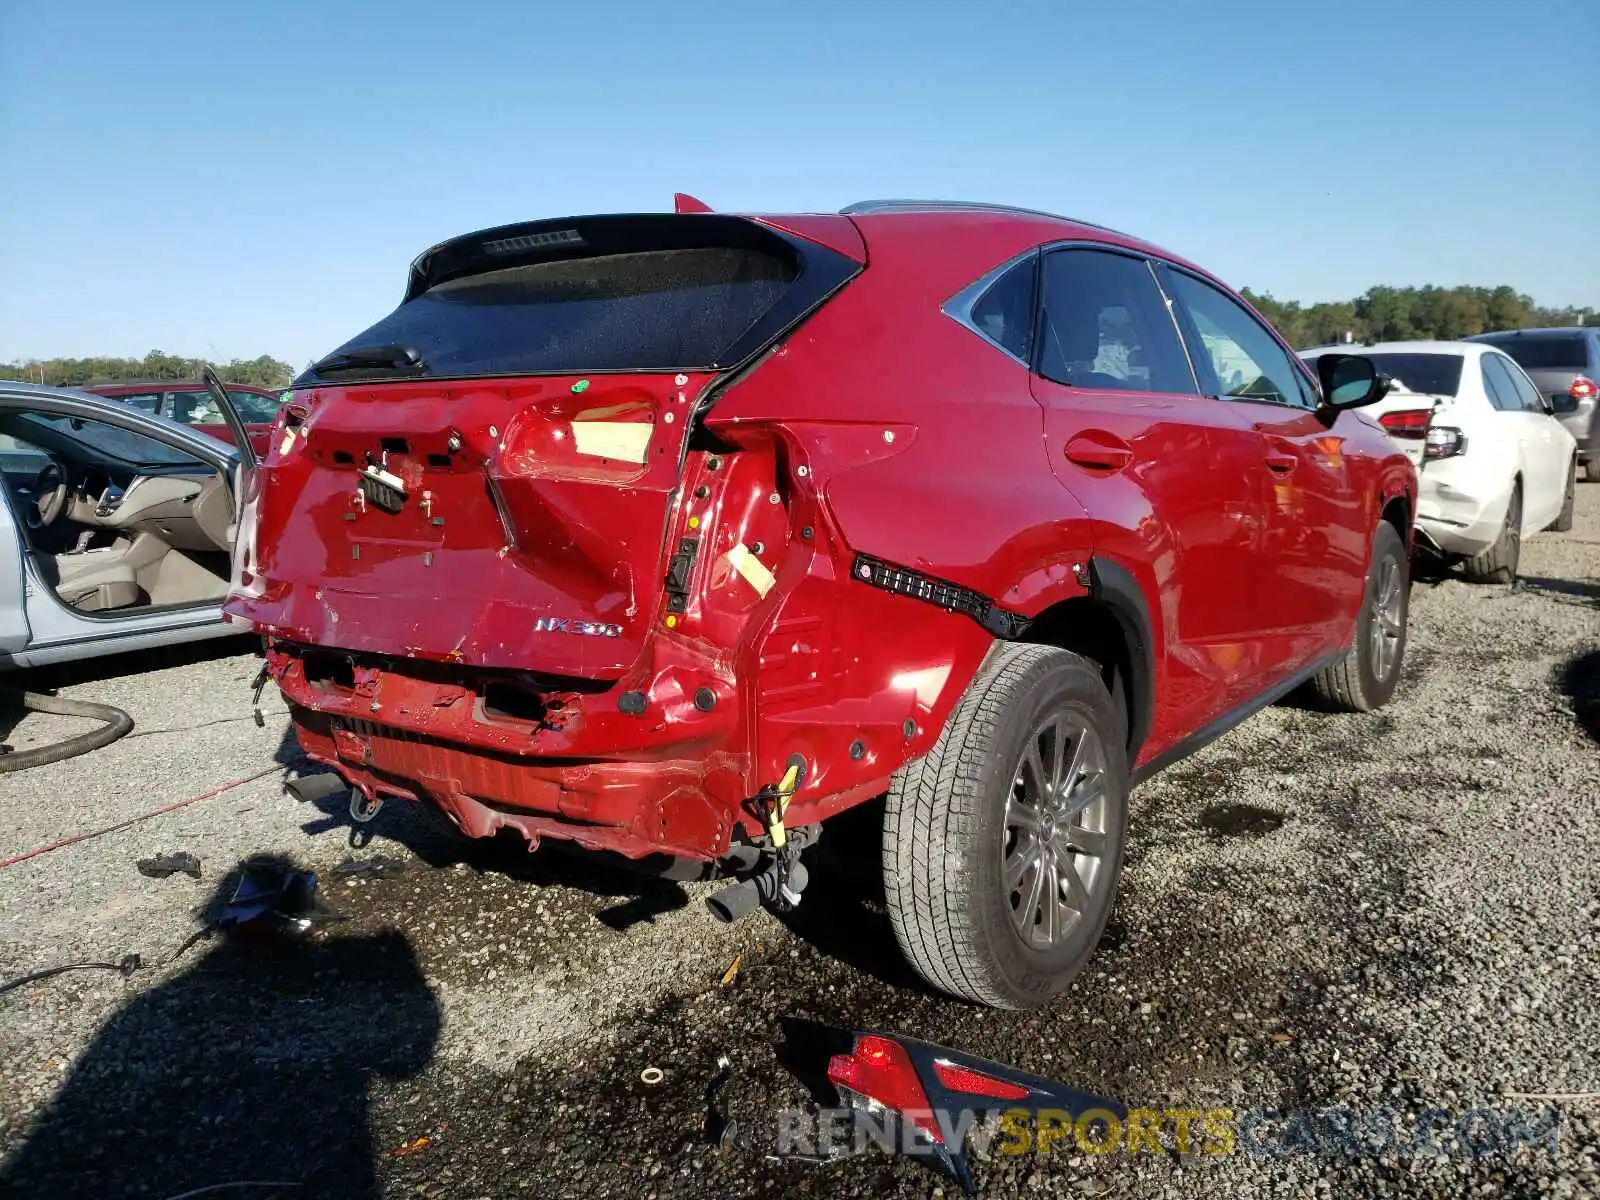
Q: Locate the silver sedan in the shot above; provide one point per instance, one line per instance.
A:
(116, 526)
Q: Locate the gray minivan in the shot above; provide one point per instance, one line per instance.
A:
(1564, 364)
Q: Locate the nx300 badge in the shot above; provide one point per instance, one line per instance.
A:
(585, 628)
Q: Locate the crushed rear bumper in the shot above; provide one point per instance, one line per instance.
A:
(570, 762)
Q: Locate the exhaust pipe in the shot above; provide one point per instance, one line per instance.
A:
(744, 897)
(735, 901)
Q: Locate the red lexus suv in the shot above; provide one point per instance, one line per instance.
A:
(676, 534)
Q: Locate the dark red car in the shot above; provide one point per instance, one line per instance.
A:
(675, 535)
(188, 403)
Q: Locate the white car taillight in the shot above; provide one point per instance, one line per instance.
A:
(1444, 442)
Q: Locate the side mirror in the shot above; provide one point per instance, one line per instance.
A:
(1350, 381)
(1560, 404)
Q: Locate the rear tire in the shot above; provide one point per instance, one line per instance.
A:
(1366, 677)
(1564, 522)
(1591, 469)
(1498, 564)
(1003, 846)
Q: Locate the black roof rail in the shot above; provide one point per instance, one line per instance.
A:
(874, 207)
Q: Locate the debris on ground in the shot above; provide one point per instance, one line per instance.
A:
(732, 972)
(161, 866)
(275, 894)
(720, 1130)
(378, 865)
(919, 1082)
(129, 964)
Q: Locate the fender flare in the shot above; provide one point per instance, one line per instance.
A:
(1114, 586)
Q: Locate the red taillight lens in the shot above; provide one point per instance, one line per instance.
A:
(1410, 423)
(1582, 388)
(976, 1083)
(881, 1070)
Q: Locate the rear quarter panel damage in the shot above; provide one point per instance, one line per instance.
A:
(907, 438)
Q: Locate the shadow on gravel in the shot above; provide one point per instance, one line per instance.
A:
(253, 1064)
(644, 893)
(1579, 682)
(844, 914)
(1576, 588)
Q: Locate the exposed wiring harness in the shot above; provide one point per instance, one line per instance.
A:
(114, 723)
(129, 964)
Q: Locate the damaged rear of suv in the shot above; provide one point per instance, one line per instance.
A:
(502, 566)
(674, 535)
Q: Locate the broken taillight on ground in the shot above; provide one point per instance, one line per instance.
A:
(942, 1094)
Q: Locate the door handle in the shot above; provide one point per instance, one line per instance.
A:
(1099, 451)
(1280, 462)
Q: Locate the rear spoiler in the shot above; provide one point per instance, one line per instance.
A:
(584, 237)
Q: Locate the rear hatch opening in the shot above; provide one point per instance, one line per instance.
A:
(485, 476)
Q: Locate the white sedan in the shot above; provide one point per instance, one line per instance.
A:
(1493, 463)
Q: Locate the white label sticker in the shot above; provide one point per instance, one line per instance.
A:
(626, 441)
(752, 568)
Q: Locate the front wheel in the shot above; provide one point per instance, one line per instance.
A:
(1002, 847)
(1365, 678)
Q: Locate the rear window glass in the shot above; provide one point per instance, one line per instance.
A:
(1546, 353)
(1432, 374)
(648, 310)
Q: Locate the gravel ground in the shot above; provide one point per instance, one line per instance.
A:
(1399, 910)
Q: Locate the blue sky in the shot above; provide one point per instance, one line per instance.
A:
(208, 181)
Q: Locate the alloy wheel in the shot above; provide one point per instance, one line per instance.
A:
(1387, 625)
(1054, 835)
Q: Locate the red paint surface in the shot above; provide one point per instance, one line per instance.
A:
(880, 426)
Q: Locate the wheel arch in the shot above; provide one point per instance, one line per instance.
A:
(1111, 627)
(1399, 512)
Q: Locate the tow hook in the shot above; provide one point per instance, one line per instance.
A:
(363, 808)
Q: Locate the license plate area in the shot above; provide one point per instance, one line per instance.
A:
(383, 490)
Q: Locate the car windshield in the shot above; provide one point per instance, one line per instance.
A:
(1545, 353)
(112, 441)
(1428, 374)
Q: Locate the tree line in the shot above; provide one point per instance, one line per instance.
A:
(265, 371)
(1381, 314)
(1391, 314)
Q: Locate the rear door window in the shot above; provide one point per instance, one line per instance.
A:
(193, 408)
(254, 408)
(1106, 325)
(149, 402)
(1497, 382)
(1527, 395)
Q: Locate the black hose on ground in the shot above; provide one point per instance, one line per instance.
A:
(114, 724)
